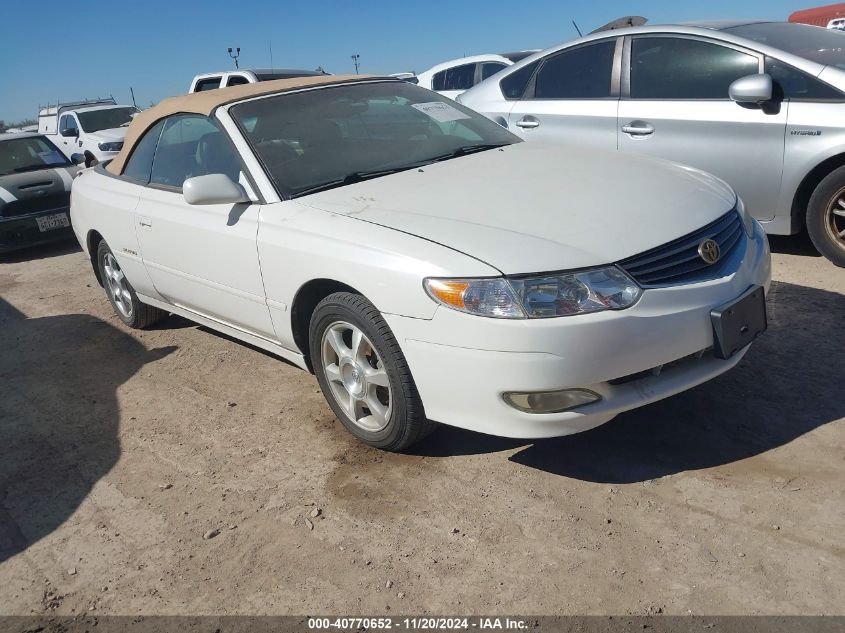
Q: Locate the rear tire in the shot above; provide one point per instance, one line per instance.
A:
(826, 217)
(121, 294)
(364, 375)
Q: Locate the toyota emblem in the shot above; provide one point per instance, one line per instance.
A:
(708, 251)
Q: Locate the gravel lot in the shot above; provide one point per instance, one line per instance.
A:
(121, 450)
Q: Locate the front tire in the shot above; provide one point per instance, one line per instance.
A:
(364, 375)
(826, 217)
(121, 294)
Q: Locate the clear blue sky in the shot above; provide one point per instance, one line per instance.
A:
(68, 49)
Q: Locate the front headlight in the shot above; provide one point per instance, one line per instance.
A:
(537, 297)
(747, 219)
(484, 297)
(114, 146)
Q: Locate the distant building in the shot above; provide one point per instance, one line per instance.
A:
(821, 16)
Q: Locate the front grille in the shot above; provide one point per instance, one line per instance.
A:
(58, 201)
(678, 262)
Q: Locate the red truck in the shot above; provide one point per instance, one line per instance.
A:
(829, 16)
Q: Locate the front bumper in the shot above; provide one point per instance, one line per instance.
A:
(462, 364)
(21, 231)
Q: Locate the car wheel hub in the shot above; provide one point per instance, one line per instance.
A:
(357, 379)
(353, 378)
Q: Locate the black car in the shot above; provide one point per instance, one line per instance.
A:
(35, 180)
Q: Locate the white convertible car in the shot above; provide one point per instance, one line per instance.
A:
(422, 261)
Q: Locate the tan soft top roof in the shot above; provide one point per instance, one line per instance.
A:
(205, 102)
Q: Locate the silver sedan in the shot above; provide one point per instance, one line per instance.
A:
(758, 104)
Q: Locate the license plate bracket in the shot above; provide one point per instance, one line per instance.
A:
(738, 323)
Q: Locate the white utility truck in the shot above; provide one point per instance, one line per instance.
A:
(97, 126)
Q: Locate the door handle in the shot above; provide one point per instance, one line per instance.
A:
(145, 223)
(638, 128)
(527, 122)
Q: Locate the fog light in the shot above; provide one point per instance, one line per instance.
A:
(551, 401)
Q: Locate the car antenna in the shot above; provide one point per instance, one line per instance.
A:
(577, 29)
(132, 92)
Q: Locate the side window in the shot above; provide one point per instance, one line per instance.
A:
(678, 68)
(581, 73)
(791, 83)
(140, 163)
(438, 82)
(491, 68)
(513, 86)
(236, 80)
(68, 123)
(460, 77)
(192, 145)
(210, 83)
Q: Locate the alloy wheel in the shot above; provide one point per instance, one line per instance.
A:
(834, 220)
(117, 286)
(356, 376)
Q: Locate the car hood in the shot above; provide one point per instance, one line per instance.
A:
(35, 185)
(108, 136)
(532, 207)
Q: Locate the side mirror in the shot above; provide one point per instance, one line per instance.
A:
(70, 132)
(90, 159)
(87, 158)
(752, 89)
(213, 189)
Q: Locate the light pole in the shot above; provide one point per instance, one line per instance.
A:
(355, 59)
(235, 56)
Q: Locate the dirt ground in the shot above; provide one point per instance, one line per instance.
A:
(122, 449)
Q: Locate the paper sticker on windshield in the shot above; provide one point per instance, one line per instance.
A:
(439, 111)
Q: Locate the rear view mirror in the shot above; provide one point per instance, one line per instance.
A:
(213, 189)
(77, 158)
(70, 132)
(752, 89)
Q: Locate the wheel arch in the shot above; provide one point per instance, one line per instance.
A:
(810, 182)
(92, 242)
(302, 307)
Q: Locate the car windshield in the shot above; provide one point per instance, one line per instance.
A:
(105, 119)
(334, 136)
(823, 46)
(30, 153)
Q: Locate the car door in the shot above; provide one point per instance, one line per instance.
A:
(572, 97)
(675, 105)
(68, 144)
(201, 257)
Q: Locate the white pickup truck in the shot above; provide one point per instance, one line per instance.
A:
(95, 126)
(225, 79)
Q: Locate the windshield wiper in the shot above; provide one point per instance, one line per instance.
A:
(355, 176)
(467, 149)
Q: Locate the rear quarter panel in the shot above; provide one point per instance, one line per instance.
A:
(105, 204)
